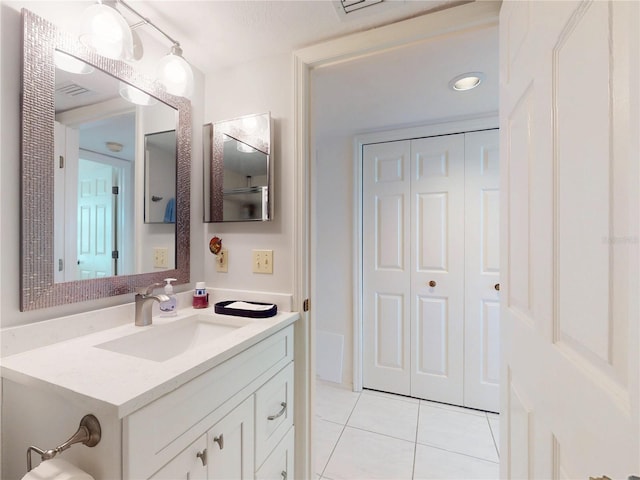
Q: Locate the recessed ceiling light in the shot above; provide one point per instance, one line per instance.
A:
(466, 81)
(114, 146)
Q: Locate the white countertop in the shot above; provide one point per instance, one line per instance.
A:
(127, 383)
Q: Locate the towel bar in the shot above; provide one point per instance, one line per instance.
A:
(88, 433)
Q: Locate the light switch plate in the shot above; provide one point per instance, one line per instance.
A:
(263, 261)
(160, 257)
(222, 261)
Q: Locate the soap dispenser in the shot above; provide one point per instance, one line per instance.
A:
(168, 307)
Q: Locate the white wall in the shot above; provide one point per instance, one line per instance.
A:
(63, 14)
(257, 87)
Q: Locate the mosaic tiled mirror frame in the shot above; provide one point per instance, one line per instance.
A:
(37, 287)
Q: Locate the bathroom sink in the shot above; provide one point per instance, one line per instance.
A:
(163, 342)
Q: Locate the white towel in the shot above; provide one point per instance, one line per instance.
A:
(249, 306)
(57, 469)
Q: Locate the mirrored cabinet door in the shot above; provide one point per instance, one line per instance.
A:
(238, 175)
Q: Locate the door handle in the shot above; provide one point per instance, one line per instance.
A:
(432, 283)
(497, 287)
(203, 457)
(219, 440)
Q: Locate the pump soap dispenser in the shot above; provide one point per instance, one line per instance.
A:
(168, 307)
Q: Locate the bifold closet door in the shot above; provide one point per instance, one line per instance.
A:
(386, 267)
(482, 271)
(413, 268)
(437, 268)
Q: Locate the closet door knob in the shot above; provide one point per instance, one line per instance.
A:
(432, 283)
(203, 456)
(220, 441)
(497, 287)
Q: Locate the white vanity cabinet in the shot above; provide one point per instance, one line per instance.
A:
(279, 464)
(223, 410)
(224, 424)
(190, 464)
(230, 445)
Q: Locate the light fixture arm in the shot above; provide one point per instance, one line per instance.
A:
(146, 21)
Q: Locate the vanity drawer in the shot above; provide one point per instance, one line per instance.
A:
(156, 433)
(279, 465)
(274, 412)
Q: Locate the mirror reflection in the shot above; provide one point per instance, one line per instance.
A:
(101, 143)
(151, 251)
(238, 170)
(160, 177)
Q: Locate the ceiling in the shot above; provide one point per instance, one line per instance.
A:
(358, 95)
(217, 34)
(406, 86)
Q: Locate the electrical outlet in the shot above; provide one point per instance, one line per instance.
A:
(263, 261)
(160, 257)
(222, 261)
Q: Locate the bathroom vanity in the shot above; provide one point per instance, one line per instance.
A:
(197, 396)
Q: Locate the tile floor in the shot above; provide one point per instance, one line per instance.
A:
(373, 435)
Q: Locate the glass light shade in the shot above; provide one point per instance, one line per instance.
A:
(71, 64)
(244, 148)
(135, 95)
(103, 29)
(176, 75)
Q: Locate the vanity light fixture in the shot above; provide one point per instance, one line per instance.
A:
(175, 73)
(244, 148)
(466, 81)
(135, 95)
(71, 64)
(106, 31)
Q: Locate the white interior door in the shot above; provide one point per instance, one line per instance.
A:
(95, 220)
(386, 266)
(569, 143)
(437, 268)
(482, 271)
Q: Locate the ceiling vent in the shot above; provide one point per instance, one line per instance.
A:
(350, 6)
(70, 89)
(349, 10)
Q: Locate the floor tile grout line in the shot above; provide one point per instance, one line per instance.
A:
(335, 445)
(430, 445)
(378, 433)
(415, 444)
(493, 437)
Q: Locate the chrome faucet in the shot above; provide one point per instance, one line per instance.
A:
(143, 305)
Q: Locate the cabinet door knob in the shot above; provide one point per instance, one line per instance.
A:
(497, 287)
(203, 456)
(219, 440)
(280, 413)
(283, 474)
(432, 283)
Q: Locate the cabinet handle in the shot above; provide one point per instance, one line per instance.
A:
(203, 456)
(283, 474)
(220, 441)
(432, 283)
(280, 413)
(497, 287)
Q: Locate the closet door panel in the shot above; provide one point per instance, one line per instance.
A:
(482, 280)
(437, 267)
(386, 277)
